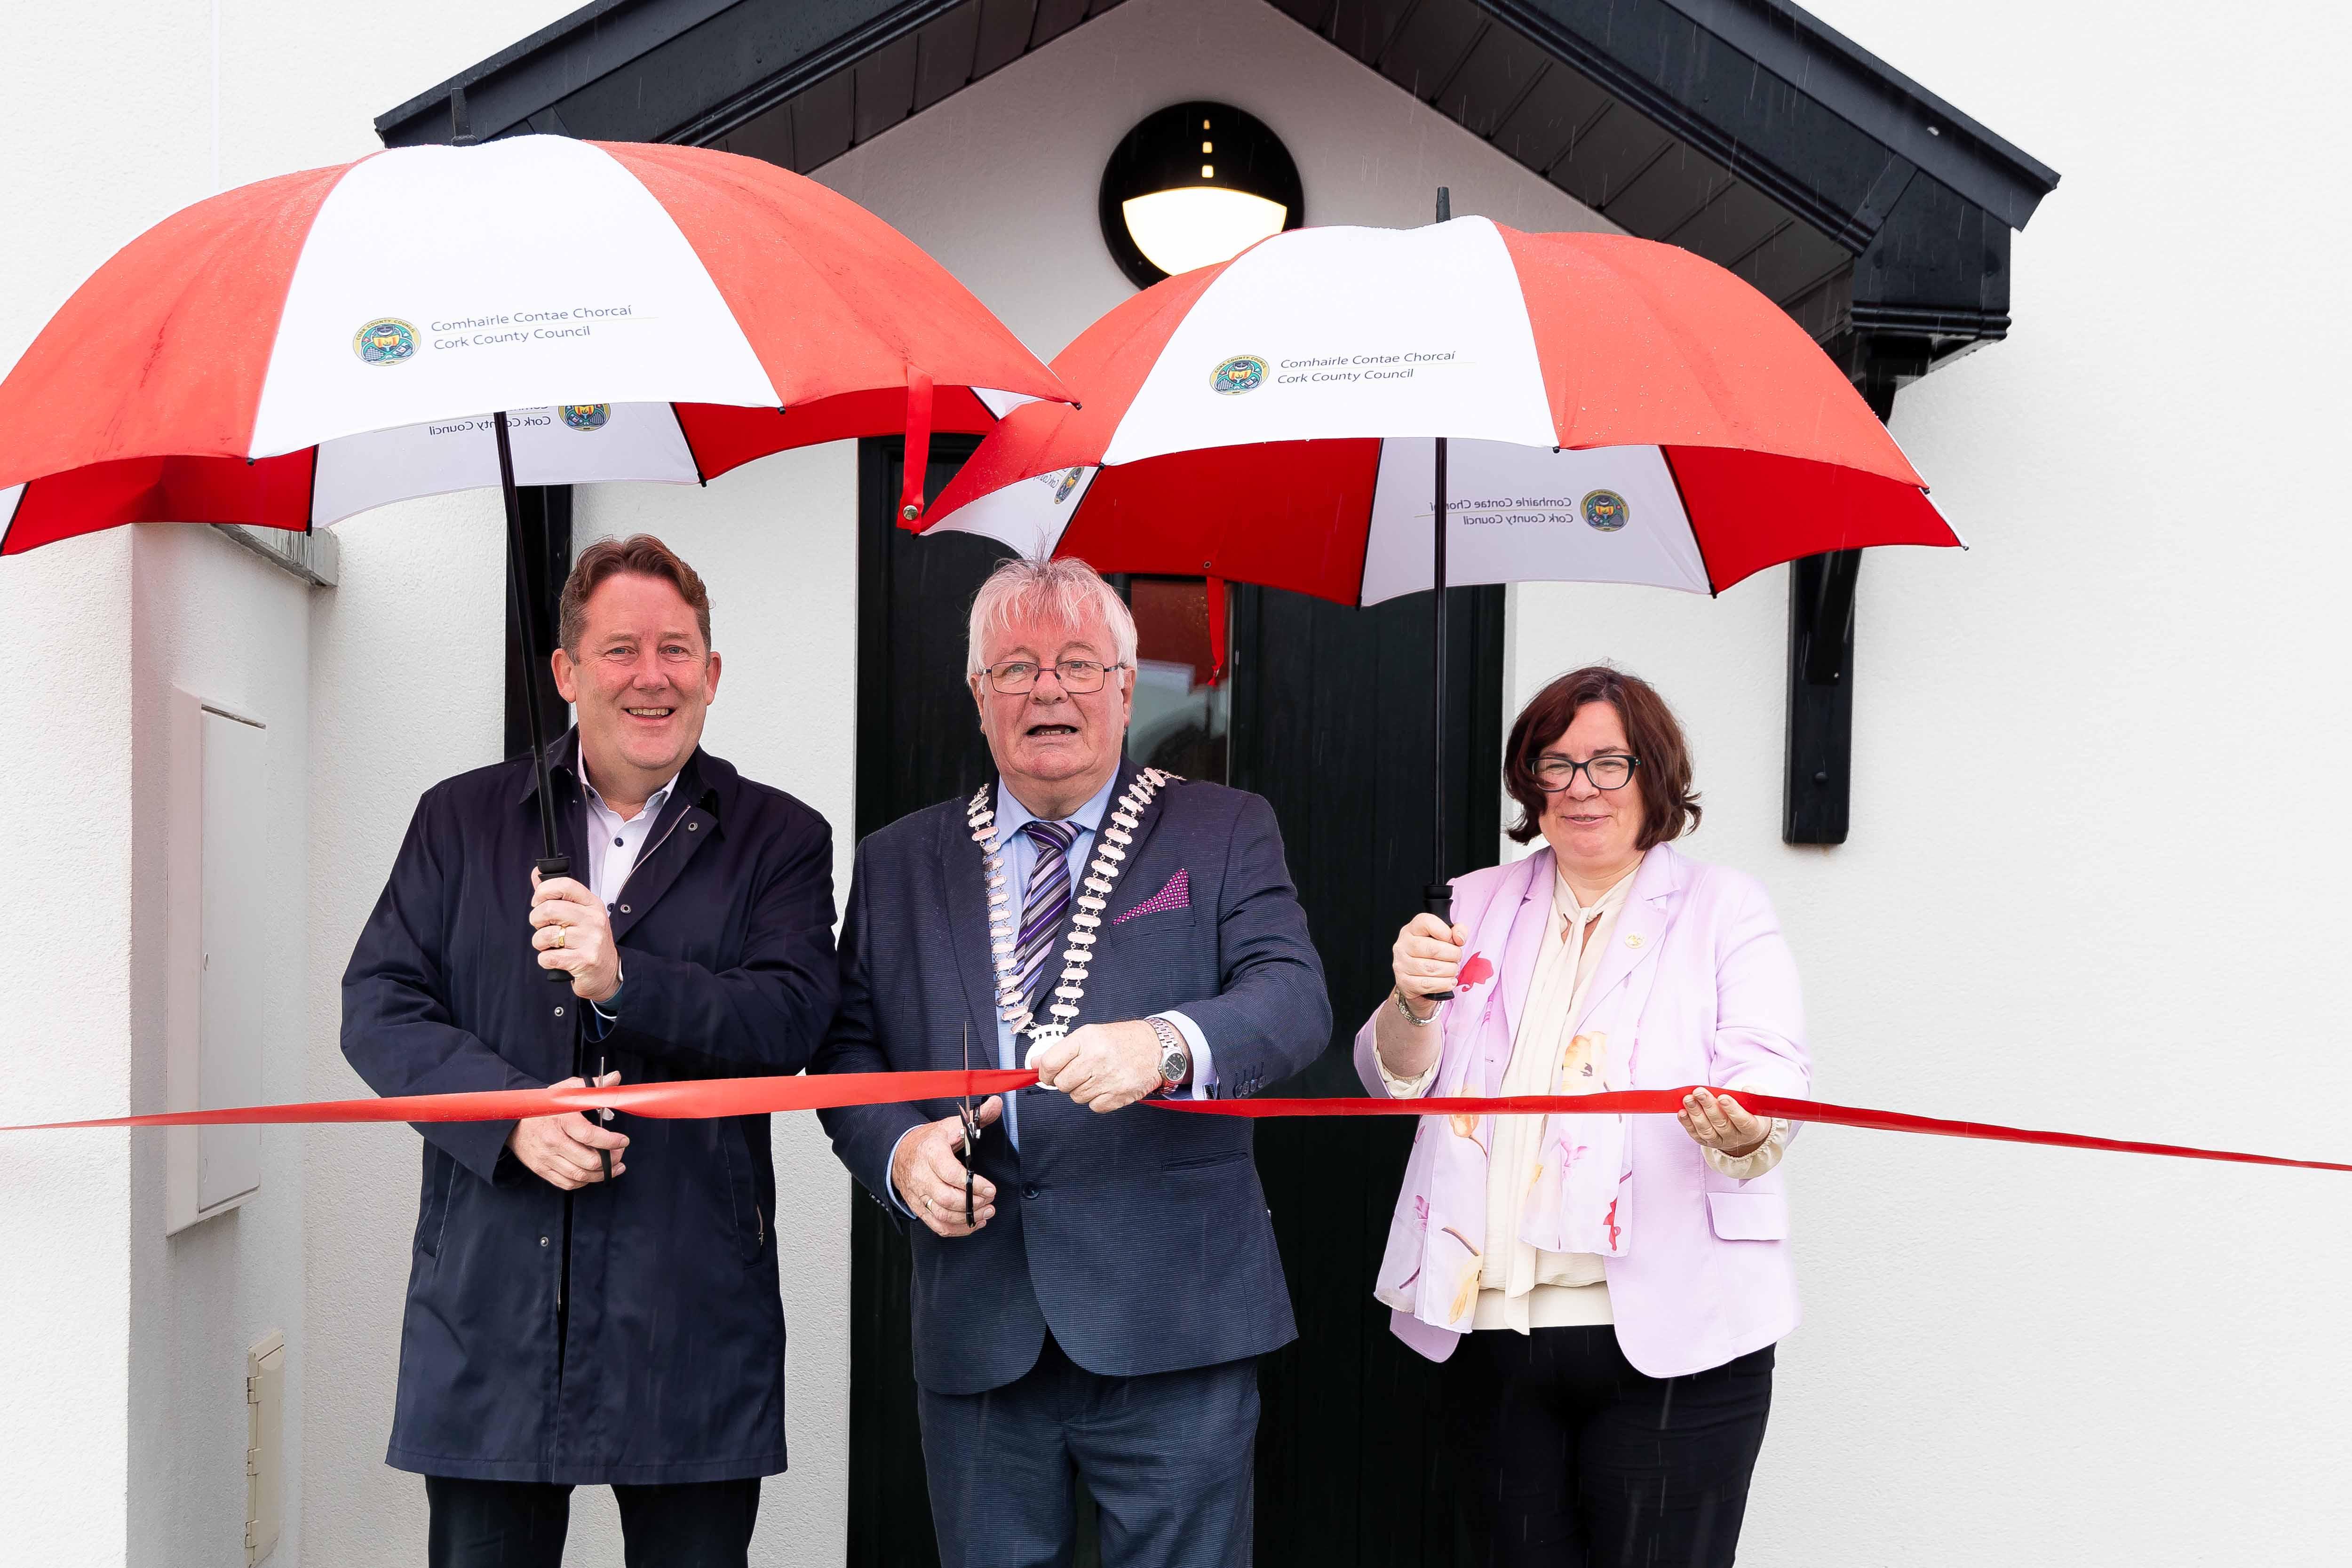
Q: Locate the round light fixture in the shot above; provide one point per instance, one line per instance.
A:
(1194, 184)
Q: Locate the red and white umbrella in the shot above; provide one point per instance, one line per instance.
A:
(293, 352)
(1613, 410)
(1575, 406)
(531, 311)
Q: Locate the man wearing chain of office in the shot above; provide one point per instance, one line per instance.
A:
(1098, 1308)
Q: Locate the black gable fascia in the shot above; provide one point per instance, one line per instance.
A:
(505, 92)
(1901, 205)
(1873, 211)
(1881, 101)
(692, 70)
(1726, 104)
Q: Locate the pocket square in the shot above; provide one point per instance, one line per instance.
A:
(1176, 895)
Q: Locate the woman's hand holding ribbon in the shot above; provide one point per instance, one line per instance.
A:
(1719, 1122)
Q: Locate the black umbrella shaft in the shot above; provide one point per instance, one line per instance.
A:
(1438, 900)
(520, 582)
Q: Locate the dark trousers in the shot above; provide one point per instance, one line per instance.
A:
(521, 1524)
(1568, 1458)
(1167, 1458)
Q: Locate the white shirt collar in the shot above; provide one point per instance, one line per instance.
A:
(654, 802)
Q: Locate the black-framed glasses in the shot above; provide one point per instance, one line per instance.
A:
(1611, 770)
(1078, 676)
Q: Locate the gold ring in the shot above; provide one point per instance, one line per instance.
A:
(563, 933)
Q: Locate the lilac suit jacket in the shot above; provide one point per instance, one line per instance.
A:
(1699, 983)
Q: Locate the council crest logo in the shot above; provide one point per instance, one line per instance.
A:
(1242, 372)
(1069, 482)
(1606, 510)
(386, 341)
(585, 416)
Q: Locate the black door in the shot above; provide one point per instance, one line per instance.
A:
(1325, 712)
(1331, 723)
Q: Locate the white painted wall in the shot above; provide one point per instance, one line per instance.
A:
(210, 618)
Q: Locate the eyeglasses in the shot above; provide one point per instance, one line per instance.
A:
(1611, 770)
(1078, 676)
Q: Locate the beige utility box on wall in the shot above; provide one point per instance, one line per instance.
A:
(264, 1446)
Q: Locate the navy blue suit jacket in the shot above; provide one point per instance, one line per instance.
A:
(672, 1367)
(1140, 1236)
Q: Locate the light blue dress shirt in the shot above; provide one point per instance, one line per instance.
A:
(1020, 853)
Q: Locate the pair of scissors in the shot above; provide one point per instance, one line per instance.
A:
(970, 1151)
(605, 1116)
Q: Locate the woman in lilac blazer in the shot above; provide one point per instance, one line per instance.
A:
(1605, 1291)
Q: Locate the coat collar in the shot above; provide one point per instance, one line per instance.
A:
(690, 818)
(701, 775)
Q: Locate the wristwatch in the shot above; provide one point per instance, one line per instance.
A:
(1175, 1055)
(1416, 1020)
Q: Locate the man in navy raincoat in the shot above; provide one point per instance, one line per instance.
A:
(563, 1330)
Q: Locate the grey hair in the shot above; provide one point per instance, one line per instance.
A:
(1065, 591)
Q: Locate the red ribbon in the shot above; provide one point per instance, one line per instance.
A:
(1667, 1101)
(665, 1101)
(757, 1096)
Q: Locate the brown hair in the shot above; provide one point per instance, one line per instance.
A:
(642, 554)
(1669, 806)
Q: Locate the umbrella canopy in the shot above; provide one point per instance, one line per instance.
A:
(293, 352)
(1613, 410)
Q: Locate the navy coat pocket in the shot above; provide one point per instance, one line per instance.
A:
(433, 1214)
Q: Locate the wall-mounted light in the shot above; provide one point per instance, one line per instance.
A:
(1194, 184)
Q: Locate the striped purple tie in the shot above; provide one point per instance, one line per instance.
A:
(1043, 907)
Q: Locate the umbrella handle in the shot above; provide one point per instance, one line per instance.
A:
(554, 866)
(1437, 899)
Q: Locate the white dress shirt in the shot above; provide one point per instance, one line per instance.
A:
(614, 846)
